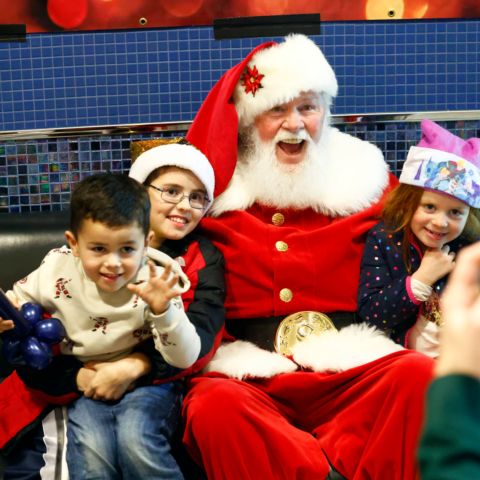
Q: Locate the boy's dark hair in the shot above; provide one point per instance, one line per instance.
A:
(113, 199)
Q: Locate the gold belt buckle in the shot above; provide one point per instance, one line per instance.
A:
(297, 327)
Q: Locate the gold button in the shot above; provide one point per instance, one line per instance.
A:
(281, 246)
(278, 219)
(286, 295)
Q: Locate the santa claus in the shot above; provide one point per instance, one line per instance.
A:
(296, 395)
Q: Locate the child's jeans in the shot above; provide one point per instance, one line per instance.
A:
(129, 438)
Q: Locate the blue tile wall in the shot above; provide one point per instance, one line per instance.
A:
(148, 76)
(39, 175)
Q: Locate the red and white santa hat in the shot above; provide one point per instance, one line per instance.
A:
(271, 74)
(444, 162)
(278, 74)
(179, 155)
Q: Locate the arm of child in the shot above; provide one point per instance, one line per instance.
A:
(110, 380)
(383, 284)
(174, 335)
(204, 306)
(102, 380)
(435, 264)
(59, 378)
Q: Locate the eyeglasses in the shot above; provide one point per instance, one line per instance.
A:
(198, 200)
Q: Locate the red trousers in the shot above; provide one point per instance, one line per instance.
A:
(365, 421)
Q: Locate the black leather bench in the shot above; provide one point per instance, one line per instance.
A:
(25, 238)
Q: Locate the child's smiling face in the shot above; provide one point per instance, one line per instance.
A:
(111, 256)
(169, 220)
(438, 219)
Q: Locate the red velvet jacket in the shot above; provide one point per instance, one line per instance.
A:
(282, 261)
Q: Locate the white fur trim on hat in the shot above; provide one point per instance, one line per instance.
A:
(282, 71)
(176, 155)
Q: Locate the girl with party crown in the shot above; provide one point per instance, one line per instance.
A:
(426, 219)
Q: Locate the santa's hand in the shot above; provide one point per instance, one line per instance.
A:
(435, 264)
(159, 290)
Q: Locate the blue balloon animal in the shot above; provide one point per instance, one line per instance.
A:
(30, 342)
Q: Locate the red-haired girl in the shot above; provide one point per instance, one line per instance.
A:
(426, 219)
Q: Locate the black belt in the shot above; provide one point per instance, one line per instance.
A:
(262, 331)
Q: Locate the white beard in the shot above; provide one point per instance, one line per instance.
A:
(339, 175)
(281, 185)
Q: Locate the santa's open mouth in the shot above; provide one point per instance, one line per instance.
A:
(291, 147)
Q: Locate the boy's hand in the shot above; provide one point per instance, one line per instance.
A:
(6, 325)
(158, 291)
(436, 263)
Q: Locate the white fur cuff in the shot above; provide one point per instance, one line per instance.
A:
(241, 359)
(337, 351)
(332, 351)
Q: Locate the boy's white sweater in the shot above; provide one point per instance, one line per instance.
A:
(107, 326)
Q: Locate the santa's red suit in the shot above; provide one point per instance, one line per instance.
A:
(280, 261)
(350, 400)
(365, 421)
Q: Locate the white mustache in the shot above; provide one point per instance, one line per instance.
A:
(288, 137)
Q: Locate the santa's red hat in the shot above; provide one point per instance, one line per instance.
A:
(271, 74)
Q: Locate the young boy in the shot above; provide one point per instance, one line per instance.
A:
(109, 300)
(113, 303)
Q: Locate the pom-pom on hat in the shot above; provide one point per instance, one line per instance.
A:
(444, 162)
(179, 155)
(269, 75)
